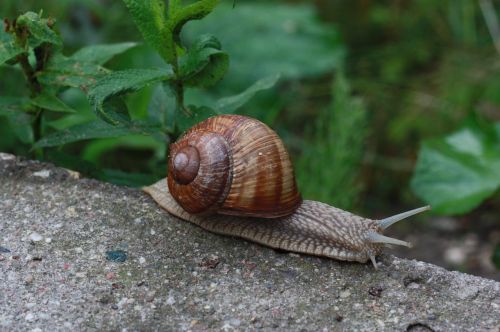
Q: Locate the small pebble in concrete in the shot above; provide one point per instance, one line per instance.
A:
(4, 250)
(375, 291)
(28, 280)
(42, 174)
(106, 299)
(412, 280)
(117, 285)
(29, 317)
(35, 237)
(6, 156)
(345, 294)
(119, 256)
(209, 262)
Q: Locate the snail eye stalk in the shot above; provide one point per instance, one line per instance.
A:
(387, 222)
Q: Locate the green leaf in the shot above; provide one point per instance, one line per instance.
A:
(265, 38)
(162, 106)
(128, 179)
(39, 29)
(9, 105)
(456, 173)
(110, 175)
(68, 72)
(8, 47)
(13, 108)
(96, 129)
(196, 11)
(496, 256)
(21, 124)
(150, 18)
(204, 64)
(121, 82)
(231, 104)
(51, 103)
(100, 54)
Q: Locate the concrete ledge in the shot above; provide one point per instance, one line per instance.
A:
(84, 255)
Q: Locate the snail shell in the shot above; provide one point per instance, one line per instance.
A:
(235, 165)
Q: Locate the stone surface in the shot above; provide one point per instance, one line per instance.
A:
(179, 277)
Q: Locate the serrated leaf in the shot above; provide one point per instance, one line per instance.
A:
(204, 64)
(232, 103)
(150, 18)
(100, 54)
(39, 29)
(456, 173)
(8, 47)
(50, 102)
(121, 82)
(68, 72)
(181, 15)
(96, 129)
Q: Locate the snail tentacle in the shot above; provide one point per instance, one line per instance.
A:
(387, 222)
(375, 237)
(374, 261)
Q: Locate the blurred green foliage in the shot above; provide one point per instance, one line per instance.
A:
(456, 173)
(423, 69)
(336, 140)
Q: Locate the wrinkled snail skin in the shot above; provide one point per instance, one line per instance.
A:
(208, 188)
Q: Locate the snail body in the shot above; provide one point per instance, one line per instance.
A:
(232, 175)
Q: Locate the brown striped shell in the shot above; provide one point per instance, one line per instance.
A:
(235, 165)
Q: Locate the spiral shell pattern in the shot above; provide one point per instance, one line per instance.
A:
(242, 169)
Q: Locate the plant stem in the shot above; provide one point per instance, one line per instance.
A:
(41, 54)
(29, 73)
(178, 86)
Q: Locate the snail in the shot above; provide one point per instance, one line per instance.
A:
(232, 175)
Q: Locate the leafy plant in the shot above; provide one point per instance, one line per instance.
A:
(51, 74)
(335, 141)
(31, 43)
(457, 172)
(201, 65)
